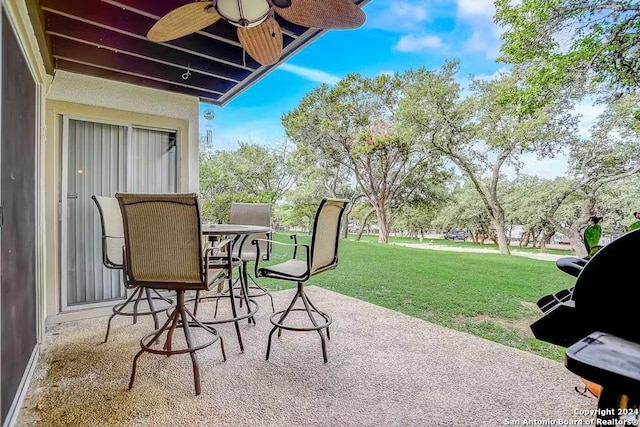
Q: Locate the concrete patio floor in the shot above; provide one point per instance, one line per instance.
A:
(385, 369)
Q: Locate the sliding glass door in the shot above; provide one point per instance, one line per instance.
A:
(103, 159)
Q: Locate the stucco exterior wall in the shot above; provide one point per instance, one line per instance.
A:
(97, 99)
(92, 91)
(102, 100)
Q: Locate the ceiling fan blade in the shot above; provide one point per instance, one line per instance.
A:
(329, 14)
(184, 20)
(263, 42)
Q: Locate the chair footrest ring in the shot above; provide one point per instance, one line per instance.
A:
(116, 309)
(275, 318)
(253, 308)
(147, 346)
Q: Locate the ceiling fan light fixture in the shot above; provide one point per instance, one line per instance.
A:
(243, 13)
(282, 4)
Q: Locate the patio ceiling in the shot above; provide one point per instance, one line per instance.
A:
(107, 39)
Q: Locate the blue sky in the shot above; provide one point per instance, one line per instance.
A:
(398, 35)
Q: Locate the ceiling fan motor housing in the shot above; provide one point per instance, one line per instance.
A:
(243, 13)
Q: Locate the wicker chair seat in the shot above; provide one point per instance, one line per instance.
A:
(293, 268)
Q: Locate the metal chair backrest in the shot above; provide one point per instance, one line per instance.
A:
(326, 235)
(112, 231)
(162, 239)
(252, 214)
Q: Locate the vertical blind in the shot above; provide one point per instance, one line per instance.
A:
(102, 161)
(153, 162)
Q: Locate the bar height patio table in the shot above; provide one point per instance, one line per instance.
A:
(240, 232)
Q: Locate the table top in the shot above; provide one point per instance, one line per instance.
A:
(223, 229)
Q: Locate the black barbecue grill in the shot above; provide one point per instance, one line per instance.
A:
(606, 297)
(599, 321)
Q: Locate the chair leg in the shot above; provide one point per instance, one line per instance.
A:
(317, 311)
(180, 315)
(269, 342)
(156, 324)
(277, 320)
(195, 304)
(167, 343)
(133, 370)
(117, 311)
(153, 339)
(207, 328)
(284, 316)
(305, 301)
(235, 314)
(187, 335)
(244, 286)
(135, 305)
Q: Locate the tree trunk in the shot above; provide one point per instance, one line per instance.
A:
(345, 226)
(421, 235)
(363, 223)
(501, 237)
(536, 237)
(383, 226)
(546, 238)
(574, 233)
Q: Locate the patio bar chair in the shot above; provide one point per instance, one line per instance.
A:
(112, 243)
(252, 214)
(163, 250)
(320, 256)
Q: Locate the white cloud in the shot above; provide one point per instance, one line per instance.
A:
(476, 7)
(411, 43)
(485, 36)
(485, 43)
(397, 16)
(312, 74)
(496, 74)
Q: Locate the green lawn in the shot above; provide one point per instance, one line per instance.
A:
(492, 296)
(467, 244)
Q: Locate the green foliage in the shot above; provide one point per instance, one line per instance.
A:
(252, 173)
(351, 126)
(565, 44)
(464, 209)
(482, 132)
(592, 235)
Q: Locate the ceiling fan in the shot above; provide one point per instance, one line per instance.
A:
(259, 33)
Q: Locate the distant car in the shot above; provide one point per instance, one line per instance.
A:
(456, 234)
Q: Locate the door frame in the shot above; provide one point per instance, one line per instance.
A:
(64, 191)
(64, 208)
(39, 261)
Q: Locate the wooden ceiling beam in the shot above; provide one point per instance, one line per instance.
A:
(91, 70)
(221, 30)
(129, 23)
(121, 62)
(62, 26)
(157, 9)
